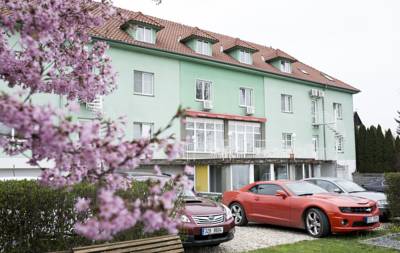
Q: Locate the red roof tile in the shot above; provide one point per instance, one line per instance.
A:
(198, 33)
(278, 54)
(168, 40)
(239, 43)
(140, 18)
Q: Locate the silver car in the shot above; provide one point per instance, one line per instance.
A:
(343, 186)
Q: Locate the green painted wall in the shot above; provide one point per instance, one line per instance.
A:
(300, 121)
(225, 88)
(157, 109)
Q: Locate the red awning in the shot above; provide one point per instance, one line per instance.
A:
(224, 116)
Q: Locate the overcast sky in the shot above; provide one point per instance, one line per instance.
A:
(356, 41)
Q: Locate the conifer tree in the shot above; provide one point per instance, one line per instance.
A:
(361, 134)
(371, 150)
(379, 155)
(389, 152)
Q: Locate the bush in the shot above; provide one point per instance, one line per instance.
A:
(393, 192)
(34, 218)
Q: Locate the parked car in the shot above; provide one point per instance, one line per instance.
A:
(343, 186)
(303, 205)
(376, 186)
(204, 222)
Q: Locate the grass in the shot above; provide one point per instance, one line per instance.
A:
(332, 244)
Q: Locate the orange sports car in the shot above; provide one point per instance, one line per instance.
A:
(301, 205)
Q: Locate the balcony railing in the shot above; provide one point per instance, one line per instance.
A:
(260, 150)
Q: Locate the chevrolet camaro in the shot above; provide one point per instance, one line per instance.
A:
(301, 205)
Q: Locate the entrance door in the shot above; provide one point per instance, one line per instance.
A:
(201, 178)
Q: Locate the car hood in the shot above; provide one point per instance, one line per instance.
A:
(370, 195)
(343, 200)
(202, 206)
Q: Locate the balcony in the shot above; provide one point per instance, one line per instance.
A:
(259, 150)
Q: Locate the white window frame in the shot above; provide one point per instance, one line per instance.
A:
(286, 141)
(203, 84)
(339, 143)
(338, 111)
(286, 103)
(147, 37)
(143, 73)
(286, 66)
(141, 124)
(203, 47)
(245, 56)
(248, 101)
(195, 129)
(315, 143)
(314, 111)
(233, 133)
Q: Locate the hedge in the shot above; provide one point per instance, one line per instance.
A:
(393, 193)
(34, 218)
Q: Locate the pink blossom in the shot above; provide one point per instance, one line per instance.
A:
(188, 170)
(82, 204)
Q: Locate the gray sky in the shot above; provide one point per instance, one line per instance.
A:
(356, 41)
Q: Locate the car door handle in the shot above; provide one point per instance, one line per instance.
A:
(256, 198)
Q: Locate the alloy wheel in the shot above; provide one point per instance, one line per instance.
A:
(313, 223)
(237, 213)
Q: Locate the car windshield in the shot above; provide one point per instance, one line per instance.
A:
(304, 188)
(349, 186)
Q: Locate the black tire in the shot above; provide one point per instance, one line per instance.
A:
(239, 215)
(214, 245)
(317, 223)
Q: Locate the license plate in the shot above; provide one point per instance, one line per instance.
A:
(372, 219)
(212, 231)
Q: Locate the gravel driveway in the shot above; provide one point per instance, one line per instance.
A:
(255, 236)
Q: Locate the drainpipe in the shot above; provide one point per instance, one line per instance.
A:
(324, 123)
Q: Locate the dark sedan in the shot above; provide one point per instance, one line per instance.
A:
(343, 186)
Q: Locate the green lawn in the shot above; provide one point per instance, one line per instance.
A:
(332, 244)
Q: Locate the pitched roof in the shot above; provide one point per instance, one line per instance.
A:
(168, 40)
(141, 18)
(238, 43)
(198, 33)
(278, 54)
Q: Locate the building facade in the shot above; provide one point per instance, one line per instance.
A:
(253, 112)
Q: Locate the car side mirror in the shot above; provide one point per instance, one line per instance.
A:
(281, 194)
(337, 190)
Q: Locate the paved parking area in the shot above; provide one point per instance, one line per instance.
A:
(255, 236)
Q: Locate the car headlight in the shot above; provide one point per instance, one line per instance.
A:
(228, 212)
(346, 209)
(185, 219)
(382, 203)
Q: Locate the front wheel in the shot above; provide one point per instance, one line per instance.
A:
(238, 214)
(317, 223)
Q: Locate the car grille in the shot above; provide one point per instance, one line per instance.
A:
(209, 219)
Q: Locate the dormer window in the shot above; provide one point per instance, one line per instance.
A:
(245, 56)
(145, 34)
(286, 66)
(203, 47)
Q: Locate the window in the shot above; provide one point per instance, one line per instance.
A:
(244, 137)
(339, 143)
(244, 56)
(143, 83)
(281, 171)
(240, 176)
(286, 66)
(262, 172)
(314, 111)
(245, 97)
(144, 34)
(142, 130)
(286, 103)
(203, 47)
(337, 109)
(287, 141)
(330, 187)
(203, 90)
(268, 189)
(328, 77)
(204, 135)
